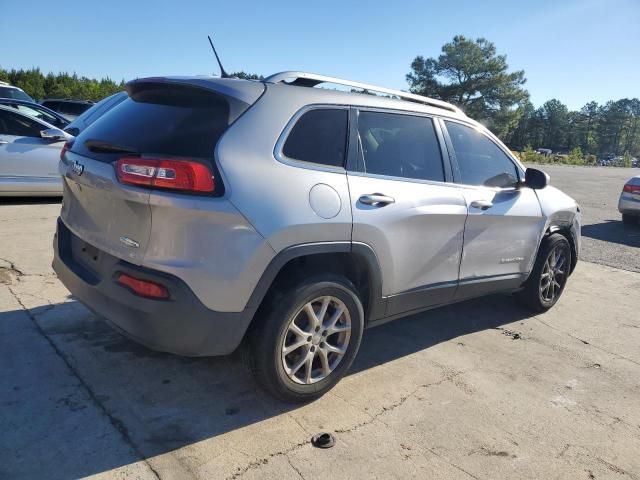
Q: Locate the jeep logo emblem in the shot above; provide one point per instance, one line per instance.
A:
(77, 168)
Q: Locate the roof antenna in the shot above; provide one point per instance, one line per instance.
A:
(223, 74)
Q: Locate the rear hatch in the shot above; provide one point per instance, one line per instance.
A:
(162, 118)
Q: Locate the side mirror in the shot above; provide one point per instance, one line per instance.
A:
(536, 179)
(54, 134)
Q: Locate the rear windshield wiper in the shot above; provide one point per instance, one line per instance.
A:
(100, 146)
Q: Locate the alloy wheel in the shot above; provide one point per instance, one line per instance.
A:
(316, 340)
(554, 274)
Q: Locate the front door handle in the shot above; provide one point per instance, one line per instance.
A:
(377, 199)
(482, 204)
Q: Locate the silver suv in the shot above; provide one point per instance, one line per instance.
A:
(201, 212)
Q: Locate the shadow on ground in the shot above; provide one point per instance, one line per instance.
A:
(159, 402)
(613, 231)
(29, 200)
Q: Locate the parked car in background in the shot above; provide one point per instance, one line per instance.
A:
(36, 110)
(9, 91)
(629, 202)
(70, 109)
(95, 112)
(29, 155)
(201, 211)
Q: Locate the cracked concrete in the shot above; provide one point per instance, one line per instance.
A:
(446, 394)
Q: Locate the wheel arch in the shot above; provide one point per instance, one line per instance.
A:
(356, 261)
(566, 231)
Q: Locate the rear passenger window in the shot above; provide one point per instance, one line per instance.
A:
(400, 146)
(481, 162)
(319, 136)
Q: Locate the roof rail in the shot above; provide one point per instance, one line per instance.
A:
(305, 79)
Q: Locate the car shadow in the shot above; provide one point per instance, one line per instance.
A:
(30, 200)
(613, 231)
(160, 402)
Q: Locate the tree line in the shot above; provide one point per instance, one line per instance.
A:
(60, 85)
(468, 73)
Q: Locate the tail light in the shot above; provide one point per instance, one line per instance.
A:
(628, 188)
(144, 288)
(65, 147)
(173, 174)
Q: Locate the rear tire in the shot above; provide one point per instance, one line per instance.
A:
(549, 276)
(629, 219)
(298, 358)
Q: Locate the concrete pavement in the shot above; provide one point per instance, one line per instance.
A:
(482, 390)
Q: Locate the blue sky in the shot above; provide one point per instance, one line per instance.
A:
(574, 50)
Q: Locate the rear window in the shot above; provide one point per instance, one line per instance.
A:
(158, 120)
(319, 136)
(91, 115)
(74, 108)
(51, 104)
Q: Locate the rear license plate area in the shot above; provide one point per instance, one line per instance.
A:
(86, 255)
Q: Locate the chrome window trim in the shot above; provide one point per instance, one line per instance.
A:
(284, 135)
(403, 179)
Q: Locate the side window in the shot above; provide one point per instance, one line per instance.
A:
(18, 125)
(481, 162)
(400, 146)
(319, 136)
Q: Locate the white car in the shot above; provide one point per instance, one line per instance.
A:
(29, 155)
(9, 91)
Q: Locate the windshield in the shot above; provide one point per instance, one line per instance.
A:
(6, 92)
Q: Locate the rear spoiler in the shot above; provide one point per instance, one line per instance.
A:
(240, 94)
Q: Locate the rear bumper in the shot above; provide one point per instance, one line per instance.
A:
(628, 205)
(180, 325)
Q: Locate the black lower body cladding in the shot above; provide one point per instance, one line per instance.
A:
(180, 325)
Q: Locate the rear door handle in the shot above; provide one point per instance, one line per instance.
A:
(377, 199)
(482, 204)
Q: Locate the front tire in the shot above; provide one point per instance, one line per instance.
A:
(549, 276)
(308, 339)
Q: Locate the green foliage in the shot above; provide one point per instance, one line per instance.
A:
(608, 129)
(575, 157)
(247, 76)
(61, 85)
(473, 76)
(528, 155)
(626, 160)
